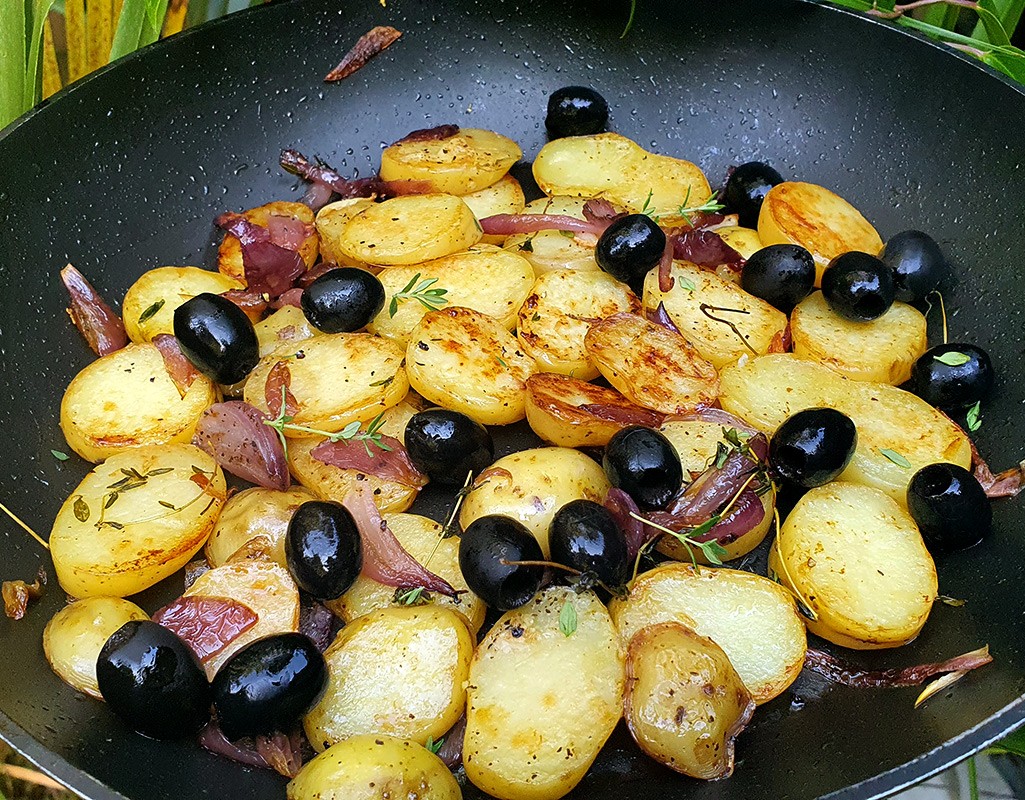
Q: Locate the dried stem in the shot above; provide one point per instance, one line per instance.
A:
(901, 10)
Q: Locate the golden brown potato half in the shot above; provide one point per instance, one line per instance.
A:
(856, 559)
(685, 703)
(744, 240)
(255, 515)
(548, 250)
(285, 327)
(883, 350)
(816, 219)
(651, 365)
(465, 162)
(331, 222)
(229, 255)
(504, 197)
(148, 308)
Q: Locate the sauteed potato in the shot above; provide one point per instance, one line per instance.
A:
(149, 304)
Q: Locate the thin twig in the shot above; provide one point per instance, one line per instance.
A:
(31, 776)
(901, 10)
(705, 308)
(30, 532)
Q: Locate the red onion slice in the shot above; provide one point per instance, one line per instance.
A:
(269, 268)
(317, 195)
(624, 415)
(287, 232)
(623, 507)
(716, 415)
(290, 297)
(838, 671)
(212, 738)
(782, 341)
(435, 134)
(598, 209)
(180, 370)
(451, 751)
(206, 624)
(368, 45)
(390, 465)
(508, 224)
(665, 268)
(101, 328)
(280, 378)
(234, 433)
(704, 248)
(746, 514)
(250, 301)
(661, 317)
(280, 752)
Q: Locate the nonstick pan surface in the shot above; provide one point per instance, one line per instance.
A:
(126, 170)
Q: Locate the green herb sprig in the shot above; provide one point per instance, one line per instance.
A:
(710, 206)
(351, 432)
(423, 291)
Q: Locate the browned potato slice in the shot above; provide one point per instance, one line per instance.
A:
(883, 350)
(545, 691)
(651, 365)
(753, 619)
(466, 361)
(816, 219)
(613, 167)
(561, 307)
(263, 586)
(398, 671)
(468, 161)
(421, 538)
(504, 197)
(696, 293)
(856, 559)
(148, 308)
(768, 389)
(285, 327)
(685, 703)
(530, 486)
(229, 256)
(127, 400)
(341, 377)
(744, 240)
(255, 515)
(571, 413)
(331, 222)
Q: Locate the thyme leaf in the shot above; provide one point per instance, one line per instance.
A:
(973, 419)
(954, 358)
(151, 312)
(420, 290)
(568, 618)
(895, 457)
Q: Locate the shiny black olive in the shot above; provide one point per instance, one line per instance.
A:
(746, 188)
(645, 465)
(486, 543)
(342, 300)
(781, 274)
(446, 445)
(268, 685)
(952, 375)
(323, 549)
(813, 446)
(858, 287)
(576, 111)
(917, 263)
(949, 506)
(630, 247)
(153, 681)
(217, 337)
(584, 535)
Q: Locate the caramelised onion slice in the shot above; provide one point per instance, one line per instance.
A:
(390, 465)
(624, 509)
(234, 433)
(180, 370)
(206, 624)
(746, 513)
(101, 328)
(704, 248)
(280, 752)
(508, 224)
(838, 671)
(367, 46)
(719, 417)
(269, 268)
(287, 232)
(661, 317)
(715, 487)
(435, 134)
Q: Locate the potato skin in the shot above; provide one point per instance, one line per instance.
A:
(229, 254)
(540, 703)
(259, 516)
(685, 703)
(164, 289)
(371, 767)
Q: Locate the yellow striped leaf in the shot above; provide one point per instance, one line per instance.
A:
(51, 72)
(74, 22)
(99, 26)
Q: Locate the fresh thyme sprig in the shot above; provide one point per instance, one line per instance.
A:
(351, 432)
(710, 206)
(712, 550)
(430, 298)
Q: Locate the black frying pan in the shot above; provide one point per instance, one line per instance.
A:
(126, 170)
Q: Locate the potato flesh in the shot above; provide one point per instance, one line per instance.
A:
(766, 390)
(149, 304)
(331, 222)
(753, 619)
(530, 486)
(73, 638)
(255, 515)
(466, 162)
(285, 327)
(374, 768)
(855, 557)
(744, 240)
(136, 540)
(540, 703)
(685, 703)
(420, 657)
(883, 351)
(549, 250)
(229, 255)
(503, 197)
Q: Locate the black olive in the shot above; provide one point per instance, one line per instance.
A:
(949, 506)
(858, 287)
(645, 465)
(952, 375)
(630, 247)
(746, 188)
(217, 337)
(781, 274)
(917, 263)
(576, 111)
(153, 681)
(342, 300)
(813, 446)
(268, 685)
(584, 535)
(486, 543)
(446, 445)
(323, 549)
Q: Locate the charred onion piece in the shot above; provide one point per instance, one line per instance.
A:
(234, 433)
(435, 134)
(704, 248)
(101, 328)
(269, 267)
(179, 369)
(508, 224)
(18, 594)
(206, 624)
(837, 671)
(367, 46)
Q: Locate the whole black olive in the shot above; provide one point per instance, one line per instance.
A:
(917, 263)
(949, 506)
(781, 274)
(645, 465)
(217, 337)
(746, 188)
(858, 286)
(584, 535)
(952, 375)
(446, 445)
(813, 446)
(153, 681)
(323, 549)
(268, 685)
(630, 247)
(576, 111)
(342, 300)
(485, 545)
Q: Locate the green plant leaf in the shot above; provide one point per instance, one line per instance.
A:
(12, 65)
(568, 618)
(941, 15)
(895, 457)
(1008, 12)
(992, 27)
(954, 358)
(138, 26)
(33, 89)
(1010, 63)
(1013, 743)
